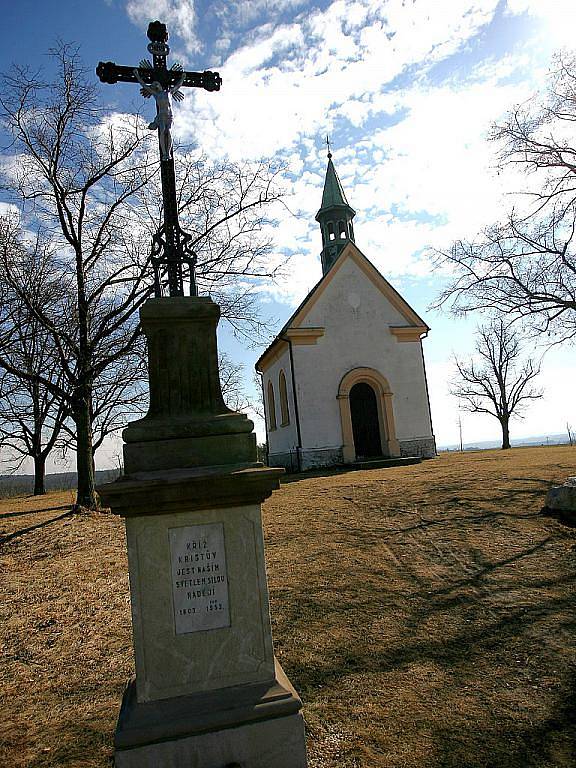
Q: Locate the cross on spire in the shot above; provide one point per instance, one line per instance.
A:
(170, 245)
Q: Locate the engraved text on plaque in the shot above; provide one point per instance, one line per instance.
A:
(199, 578)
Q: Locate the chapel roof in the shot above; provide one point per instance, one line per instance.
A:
(333, 195)
(352, 250)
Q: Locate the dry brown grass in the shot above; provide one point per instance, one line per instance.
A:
(426, 614)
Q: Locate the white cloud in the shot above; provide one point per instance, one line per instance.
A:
(9, 210)
(178, 15)
(293, 80)
(407, 92)
(556, 17)
(240, 15)
(422, 182)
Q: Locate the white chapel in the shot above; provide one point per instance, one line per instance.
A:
(344, 381)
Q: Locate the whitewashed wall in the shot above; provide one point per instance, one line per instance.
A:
(282, 439)
(357, 317)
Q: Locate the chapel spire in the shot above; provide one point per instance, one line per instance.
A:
(335, 217)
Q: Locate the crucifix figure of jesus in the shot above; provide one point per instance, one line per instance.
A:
(163, 121)
(171, 247)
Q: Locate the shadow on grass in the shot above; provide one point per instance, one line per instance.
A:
(498, 741)
(564, 517)
(79, 744)
(485, 568)
(21, 531)
(425, 524)
(33, 511)
(451, 492)
(323, 472)
(473, 629)
(550, 743)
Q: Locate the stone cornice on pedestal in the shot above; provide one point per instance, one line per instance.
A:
(157, 493)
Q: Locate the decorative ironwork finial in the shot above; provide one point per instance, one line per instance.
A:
(328, 145)
(171, 246)
(157, 32)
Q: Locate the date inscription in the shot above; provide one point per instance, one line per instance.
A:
(199, 578)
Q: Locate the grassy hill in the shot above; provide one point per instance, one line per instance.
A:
(426, 614)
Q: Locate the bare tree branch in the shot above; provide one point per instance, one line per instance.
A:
(525, 265)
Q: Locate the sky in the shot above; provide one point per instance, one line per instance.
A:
(407, 91)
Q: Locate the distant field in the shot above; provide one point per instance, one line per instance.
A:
(426, 614)
(20, 485)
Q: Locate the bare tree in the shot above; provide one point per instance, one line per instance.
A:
(81, 178)
(232, 383)
(118, 396)
(499, 382)
(74, 177)
(226, 207)
(570, 431)
(32, 415)
(31, 420)
(258, 404)
(525, 266)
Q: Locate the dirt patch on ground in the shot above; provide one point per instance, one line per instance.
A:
(426, 614)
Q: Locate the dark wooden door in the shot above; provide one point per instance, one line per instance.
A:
(365, 427)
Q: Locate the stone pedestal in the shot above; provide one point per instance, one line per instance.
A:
(208, 692)
(187, 424)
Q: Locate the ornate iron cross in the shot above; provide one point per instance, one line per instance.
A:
(170, 245)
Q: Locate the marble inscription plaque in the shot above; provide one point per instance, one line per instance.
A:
(199, 578)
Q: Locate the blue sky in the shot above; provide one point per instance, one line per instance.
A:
(407, 91)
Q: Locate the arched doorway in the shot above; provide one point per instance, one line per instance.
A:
(365, 426)
(378, 391)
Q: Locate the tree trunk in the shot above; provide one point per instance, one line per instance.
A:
(39, 475)
(505, 434)
(86, 489)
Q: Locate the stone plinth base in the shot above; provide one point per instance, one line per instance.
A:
(250, 726)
